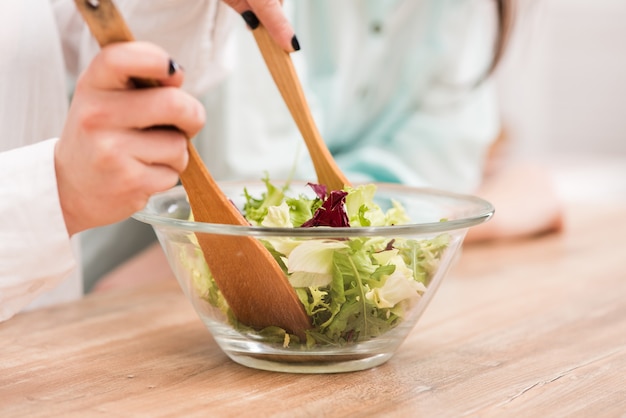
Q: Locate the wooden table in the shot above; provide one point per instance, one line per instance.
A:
(532, 328)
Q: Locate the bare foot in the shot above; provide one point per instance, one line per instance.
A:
(525, 201)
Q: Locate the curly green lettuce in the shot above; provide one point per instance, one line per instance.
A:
(354, 289)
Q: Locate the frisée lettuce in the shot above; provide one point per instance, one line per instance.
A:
(353, 289)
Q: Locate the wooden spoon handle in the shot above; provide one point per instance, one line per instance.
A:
(286, 79)
(252, 282)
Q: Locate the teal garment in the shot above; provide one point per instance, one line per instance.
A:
(389, 84)
(387, 81)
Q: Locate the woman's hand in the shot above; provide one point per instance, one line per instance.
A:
(108, 162)
(270, 13)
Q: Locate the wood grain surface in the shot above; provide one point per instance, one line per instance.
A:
(533, 328)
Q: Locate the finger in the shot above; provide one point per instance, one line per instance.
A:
(141, 183)
(135, 180)
(117, 63)
(239, 6)
(157, 178)
(143, 109)
(160, 147)
(270, 14)
(166, 106)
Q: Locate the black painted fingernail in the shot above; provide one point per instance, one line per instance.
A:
(295, 44)
(251, 20)
(173, 67)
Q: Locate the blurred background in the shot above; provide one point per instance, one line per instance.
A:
(563, 93)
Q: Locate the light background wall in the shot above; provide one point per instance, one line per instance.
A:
(563, 92)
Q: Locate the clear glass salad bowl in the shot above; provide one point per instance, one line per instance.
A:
(364, 285)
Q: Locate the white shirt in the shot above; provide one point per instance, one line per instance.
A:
(36, 254)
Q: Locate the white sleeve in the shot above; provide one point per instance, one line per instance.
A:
(35, 250)
(194, 32)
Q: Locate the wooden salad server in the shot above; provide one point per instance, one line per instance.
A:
(286, 79)
(251, 281)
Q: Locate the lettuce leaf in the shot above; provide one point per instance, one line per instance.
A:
(353, 289)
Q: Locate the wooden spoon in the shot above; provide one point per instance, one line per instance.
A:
(286, 79)
(251, 281)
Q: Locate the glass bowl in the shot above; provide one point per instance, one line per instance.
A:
(372, 285)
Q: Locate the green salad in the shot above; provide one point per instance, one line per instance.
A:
(353, 289)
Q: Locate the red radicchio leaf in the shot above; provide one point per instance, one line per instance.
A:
(390, 245)
(332, 212)
(319, 189)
